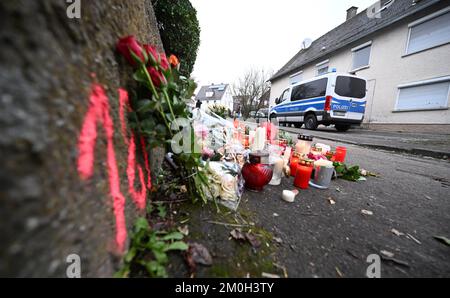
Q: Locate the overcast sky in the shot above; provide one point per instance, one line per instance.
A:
(240, 34)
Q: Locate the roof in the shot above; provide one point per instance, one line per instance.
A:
(212, 92)
(350, 31)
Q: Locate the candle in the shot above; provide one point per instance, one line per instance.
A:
(251, 138)
(341, 152)
(260, 139)
(293, 165)
(302, 177)
(277, 171)
(323, 163)
(287, 155)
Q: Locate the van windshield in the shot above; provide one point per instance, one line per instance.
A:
(350, 87)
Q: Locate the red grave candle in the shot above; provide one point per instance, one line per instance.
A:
(340, 154)
(302, 177)
(293, 165)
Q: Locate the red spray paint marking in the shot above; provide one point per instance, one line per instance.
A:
(99, 111)
(124, 103)
(138, 197)
(147, 164)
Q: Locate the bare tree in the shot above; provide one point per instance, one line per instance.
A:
(250, 88)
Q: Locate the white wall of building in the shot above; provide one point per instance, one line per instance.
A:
(226, 100)
(388, 69)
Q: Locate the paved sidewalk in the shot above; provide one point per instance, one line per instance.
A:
(425, 144)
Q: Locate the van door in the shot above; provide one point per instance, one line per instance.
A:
(281, 106)
(349, 100)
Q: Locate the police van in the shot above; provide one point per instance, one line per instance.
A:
(332, 98)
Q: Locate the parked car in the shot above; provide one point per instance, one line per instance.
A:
(255, 114)
(332, 98)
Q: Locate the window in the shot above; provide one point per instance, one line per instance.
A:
(312, 89)
(432, 94)
(322, 67)
(429, 32)
(284, 96)
(350, 87)
(295, 78)
(361, 56)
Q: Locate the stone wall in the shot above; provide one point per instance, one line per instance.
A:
(46, 61)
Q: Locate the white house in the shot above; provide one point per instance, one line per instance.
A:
(215, 94)
(402, 47)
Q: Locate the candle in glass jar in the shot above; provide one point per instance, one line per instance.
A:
(340, 154)
(293, 165)
(303, 145)
(302, 177)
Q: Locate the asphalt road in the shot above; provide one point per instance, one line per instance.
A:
(324, 240)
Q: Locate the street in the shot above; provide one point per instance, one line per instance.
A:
(409, 202)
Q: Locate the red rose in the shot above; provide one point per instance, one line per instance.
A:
(164, 62)
(129, 44)
(152, 53)
(157, 77)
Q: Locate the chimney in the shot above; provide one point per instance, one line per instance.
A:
(351, 12)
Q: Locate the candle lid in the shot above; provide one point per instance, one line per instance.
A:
(258, 157)
(305, 138)
(259, 153)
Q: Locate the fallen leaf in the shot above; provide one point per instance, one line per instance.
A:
(331, 201)
(183, 189)
(394, 260)
(253, 240)
(200, 254)
(397, 233)
(366, 212)
(237, 234)
(442, 239)
(184, 230)
(269, 275)
(278, 240)
(339, 272)
(414, 239)
(387, 253)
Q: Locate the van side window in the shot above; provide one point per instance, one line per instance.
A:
(284, 96)
(317, 88)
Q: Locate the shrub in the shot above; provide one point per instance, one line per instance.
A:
(219, 110)
(180, 31)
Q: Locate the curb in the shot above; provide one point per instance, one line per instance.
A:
(414, 151)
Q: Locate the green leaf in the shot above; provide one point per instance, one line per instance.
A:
(141, 224)
(145, 105)
(130, 254)
(173, 236)
(123, 273)
(178, 245)
(161, 256)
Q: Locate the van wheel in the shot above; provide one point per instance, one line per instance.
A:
(342, 127)
(311, 122)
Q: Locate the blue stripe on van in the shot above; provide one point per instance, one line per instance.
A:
(318, 104)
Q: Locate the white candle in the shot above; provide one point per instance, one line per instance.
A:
(289, 196)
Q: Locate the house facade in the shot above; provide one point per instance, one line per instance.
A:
(215, 94)
(404, 54)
